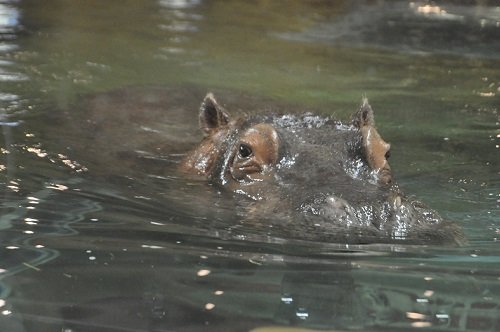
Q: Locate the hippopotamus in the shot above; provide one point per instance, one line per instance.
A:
(330, 177)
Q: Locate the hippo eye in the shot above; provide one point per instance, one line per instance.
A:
(244, 151)
(388, 154)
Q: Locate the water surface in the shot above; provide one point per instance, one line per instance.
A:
(99, 232)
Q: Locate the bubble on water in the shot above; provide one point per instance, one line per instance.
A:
(286, 299)
(302, 313)
(6, 312)
(203, 273)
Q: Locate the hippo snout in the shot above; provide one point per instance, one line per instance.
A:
(337, 208)
(330, 209)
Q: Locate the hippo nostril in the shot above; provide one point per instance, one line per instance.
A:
(336, 202)
(337, 209)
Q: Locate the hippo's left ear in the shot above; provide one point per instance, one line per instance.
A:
(364, 116)
(212, 115)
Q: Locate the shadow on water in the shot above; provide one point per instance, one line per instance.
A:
(99, 232)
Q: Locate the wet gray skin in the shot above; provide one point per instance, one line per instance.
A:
(323, 185)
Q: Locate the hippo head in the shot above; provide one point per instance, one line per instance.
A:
(321, 171)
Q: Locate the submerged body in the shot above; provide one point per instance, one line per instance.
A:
(316, 172)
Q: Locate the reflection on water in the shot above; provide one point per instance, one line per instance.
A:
(98, 232)
(179, 4)
(413, 27)
(9, 19)
(8, 26)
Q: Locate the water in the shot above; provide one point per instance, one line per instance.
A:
(100, 233)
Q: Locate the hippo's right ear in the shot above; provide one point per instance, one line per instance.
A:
(212, 115)
(364, 116)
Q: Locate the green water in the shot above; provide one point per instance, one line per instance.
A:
(89, 243)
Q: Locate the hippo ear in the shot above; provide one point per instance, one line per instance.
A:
(212, 115)
(375, 149)
(376, 152)
(364, 116)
